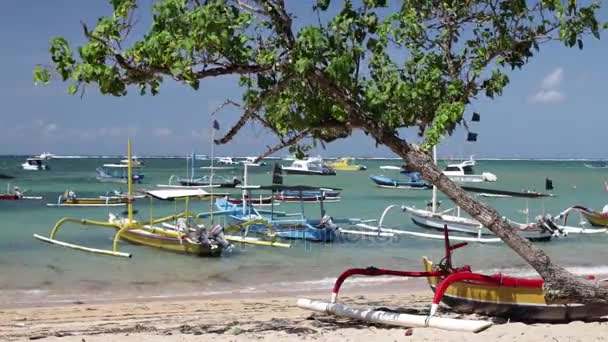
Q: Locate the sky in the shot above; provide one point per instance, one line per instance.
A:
(555, 107)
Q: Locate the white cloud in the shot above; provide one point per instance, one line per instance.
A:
(549, 90)
(50, 128)
(553, 80)
(548, 96)
(163, 132)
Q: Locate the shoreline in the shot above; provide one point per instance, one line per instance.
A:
(129, 296)
(266, 318)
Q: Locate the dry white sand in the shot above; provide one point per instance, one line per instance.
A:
(272, 319)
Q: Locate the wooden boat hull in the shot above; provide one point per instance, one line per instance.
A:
(385, 182)
(517, 303)
(9, 197)
(288, 229)
(309, 172)
(465, 226)
(596, 219)
(162, 239)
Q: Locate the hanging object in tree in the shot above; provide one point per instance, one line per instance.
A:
(548, 184)
(475, 117)
(277, 178)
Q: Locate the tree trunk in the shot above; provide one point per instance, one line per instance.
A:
(560, 285)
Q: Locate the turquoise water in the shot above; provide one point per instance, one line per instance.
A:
(33, 271)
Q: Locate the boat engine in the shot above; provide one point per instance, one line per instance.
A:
(327, 222)
(217, 234)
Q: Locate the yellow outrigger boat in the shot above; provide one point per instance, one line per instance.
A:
(188, 236)
(345, 164)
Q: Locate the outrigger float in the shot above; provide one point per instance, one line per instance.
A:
(188, 236)
(463, 290)
(70, 199)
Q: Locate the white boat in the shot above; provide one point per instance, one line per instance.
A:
(226, 161)
(134, 161)
(251, 161)
(309, 166)
(117, 173)
(463, 172)
(46, 156)
(34, 164)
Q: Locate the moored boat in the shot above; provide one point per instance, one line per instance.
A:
(466, 291)
(117, 173)
(463, 172)
(414, 182)
(16, 194)
(34, 164)
(346, 164)
(70, 199)
(309, 166)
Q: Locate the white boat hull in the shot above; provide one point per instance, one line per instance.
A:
(29, 167)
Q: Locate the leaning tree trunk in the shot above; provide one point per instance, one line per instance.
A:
(560, 285)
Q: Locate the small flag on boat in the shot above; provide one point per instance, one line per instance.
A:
(472, 136)
(216, 125)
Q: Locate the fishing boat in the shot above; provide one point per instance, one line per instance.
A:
(193, 182)
(311, 196)
(346, 164)
(596, 164)
(34, 164)
(413, 183)
(16, 194)
(485, 192)
(255, 201)
(227, 161)
(70, 199)
(188, 237)
(251, 161)
(309, 166)
(595, 218)
(285, 225)
(537, 232)
(463, 172)
(116, 173)
(465, 291)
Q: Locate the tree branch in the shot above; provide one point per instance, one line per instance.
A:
(291, 141)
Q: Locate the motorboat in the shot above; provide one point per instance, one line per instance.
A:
(251, 161)
(413, 182)
(46, 156)
(226, 161)
(34, 164)
(346, 164)
(117, 173)
(463, 172)
(135, 161)
(309, 166)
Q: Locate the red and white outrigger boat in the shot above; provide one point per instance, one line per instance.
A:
(464, 291)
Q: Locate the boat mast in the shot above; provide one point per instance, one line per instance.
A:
(211, 204)
(192, 166)
(129, 182)
(434, 200)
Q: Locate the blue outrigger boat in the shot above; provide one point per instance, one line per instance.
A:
(414, 181)
(285, 225)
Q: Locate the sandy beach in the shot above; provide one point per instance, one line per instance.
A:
(265, 318)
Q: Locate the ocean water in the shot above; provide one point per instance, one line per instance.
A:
(32, 271)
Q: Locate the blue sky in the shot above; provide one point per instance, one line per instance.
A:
(556, 107)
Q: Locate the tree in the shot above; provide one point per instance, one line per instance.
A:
(359, 65)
